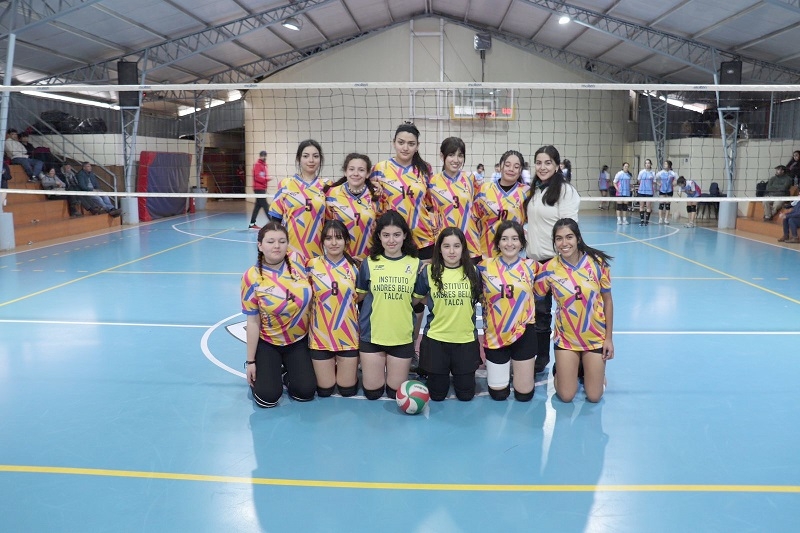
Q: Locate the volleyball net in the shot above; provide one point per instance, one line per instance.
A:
(733, 136)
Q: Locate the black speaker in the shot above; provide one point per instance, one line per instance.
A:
(128, 74)
(730, 73)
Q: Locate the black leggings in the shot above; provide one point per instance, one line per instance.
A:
(270, 362)
(261, 203)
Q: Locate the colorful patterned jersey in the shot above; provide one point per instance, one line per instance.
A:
(387, 314)
(301, 208)
(453, 200)
(358, 214)
(577, 290)
(451, 313)
(622, 181)
(493, 205)
(666, 179)
(508, 301)
(281, 297)
(405, 191)
(646, 182)
(334, 315)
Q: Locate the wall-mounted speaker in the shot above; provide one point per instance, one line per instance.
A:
(730, 73)
(128, 74)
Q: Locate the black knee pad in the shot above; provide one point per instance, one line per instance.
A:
(501, 394)
(391, 393)
(304, 398)
(668, 206)
(523, 397)
(373, 394)
(419, 308)
(465, 396)
(691, 209)
(263, 403)
(347, 392)
(324, 392)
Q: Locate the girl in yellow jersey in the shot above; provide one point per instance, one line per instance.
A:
(354, 200)
(388, 281)
(333, 337)
(508, 314)
(450, 342)
(501, 200)
(276, 298)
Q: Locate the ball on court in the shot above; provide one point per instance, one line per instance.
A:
(412, 396)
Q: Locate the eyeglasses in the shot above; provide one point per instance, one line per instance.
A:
(578, 293)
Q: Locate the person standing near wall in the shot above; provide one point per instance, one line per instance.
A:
(260, 181)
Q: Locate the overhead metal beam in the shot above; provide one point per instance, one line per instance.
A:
(169, 52)
(727, 20)
(350, 13)
(692, 53)
(37, 12)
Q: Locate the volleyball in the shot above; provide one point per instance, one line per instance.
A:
(412, 396)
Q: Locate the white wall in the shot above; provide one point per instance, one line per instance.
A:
(589, 129)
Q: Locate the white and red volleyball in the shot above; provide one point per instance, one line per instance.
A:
(412, 397)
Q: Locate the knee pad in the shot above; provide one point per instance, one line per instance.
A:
(346, 392)
(373, 394)
(263, 403)
(301, 398)
(661, 206)
(324, 392)
(498, 376)
(691, 209)
(419, 308)
(523, 397)
(501, 394)
(391, 393)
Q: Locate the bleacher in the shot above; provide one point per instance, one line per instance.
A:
(754, 222)
(38, 219)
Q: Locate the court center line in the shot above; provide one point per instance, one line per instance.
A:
(60, 285)
(712, 269)
(377, 485)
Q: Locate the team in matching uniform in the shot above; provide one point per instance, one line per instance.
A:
(344, 271)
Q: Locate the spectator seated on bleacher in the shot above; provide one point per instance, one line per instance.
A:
(18, 155)
(88, 203)
(88, 181)
(793, 167)
(777, 185)
(791, 221)
(51, 181)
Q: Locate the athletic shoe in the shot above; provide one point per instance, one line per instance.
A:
(254, 226)
(619, 222)
(784, 238)
(666, 222)
(688, 225)
(660, 221)
(793, 240)
(625, 221)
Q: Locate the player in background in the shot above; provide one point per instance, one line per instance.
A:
(602, 184)
(580, 281)
(353, 199)
(665, 179)
(388, 281)
(333, 337)
(501, 200)
(276, 298)
(692, 190)
(509, 314)
(260, 181)
(450, 342)
(299, 203)
(452, 192)
(622, 183)
(646, 189)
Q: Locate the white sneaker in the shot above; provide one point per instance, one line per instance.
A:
(666, 221)
(619, 222)
(660, 221)
(625, 221)
(690, 225)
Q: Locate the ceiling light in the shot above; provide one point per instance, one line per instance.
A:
(70, 99)
(292, 23)
(564, 19)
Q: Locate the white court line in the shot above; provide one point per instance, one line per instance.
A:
(176, 228)
(87, 323)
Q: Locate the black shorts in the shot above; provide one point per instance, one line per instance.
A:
(522, 349)
(439, 357)
(426, 254)
(666, 193)
(622, 206)
(324, 355)
(645, 195)
(402, 351)
(597, 350)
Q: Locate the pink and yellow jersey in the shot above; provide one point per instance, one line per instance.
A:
(453, 204)
(282, 298)
(405, 191)
(301, 208)
(508, 301)
(494, 205)
(334, 315)
(577, 290)
(358, 213)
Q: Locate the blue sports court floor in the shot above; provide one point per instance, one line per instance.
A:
(123, 406)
